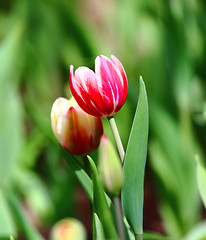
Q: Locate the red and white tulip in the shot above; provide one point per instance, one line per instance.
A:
(103, 92)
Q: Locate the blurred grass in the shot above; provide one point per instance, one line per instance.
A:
(164, 41)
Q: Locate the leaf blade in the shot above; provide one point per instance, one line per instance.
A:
(82, 176)
(134, 165)
(201, 180)
(6, 222)
(100, 204)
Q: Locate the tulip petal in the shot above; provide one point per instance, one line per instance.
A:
(91, 87)
(59, 106)
(121, 69)
(62, 130)
(85, 131)
(84, 89)
(112, 82)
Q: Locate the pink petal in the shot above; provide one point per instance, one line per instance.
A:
(121, 69)
(91, 90)
(112, 82)
(79, 93)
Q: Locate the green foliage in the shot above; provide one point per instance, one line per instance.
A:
(100, 204)
(81, 174)
(11, 133)
(154, 236)
(6, 221)
(164, 41)
(175, 168)
(99, 233)
(134, 164)
(25, 226)
(198, 232)
(201, 178)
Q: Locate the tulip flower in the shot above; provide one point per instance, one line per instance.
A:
(68, 229)
(77, 131)
(103, 92)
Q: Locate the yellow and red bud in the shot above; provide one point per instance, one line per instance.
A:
(77, 131)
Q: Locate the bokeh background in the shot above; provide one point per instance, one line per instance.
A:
(163, 41)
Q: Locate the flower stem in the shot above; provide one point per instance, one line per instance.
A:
(117, 138)
(138, 236)
(116, 200)
(119, 217)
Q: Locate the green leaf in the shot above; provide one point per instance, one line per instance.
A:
(99, 232)
(81, 174)
(134, 164)
(6, 238)
(169, 185)
(197, 233)
(7, 226)
(154, 236)
(100, 205)
(38, 197)
(25, 226)
(128, 231)
(201, 179)
(9, 54)
(11, 132)
(171, 153)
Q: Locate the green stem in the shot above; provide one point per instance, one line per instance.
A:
(117, 138)
(119, 218)
(28, 230)
(117, 204)
(138, 236)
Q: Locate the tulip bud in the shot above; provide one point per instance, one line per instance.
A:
(110, 167)
(77, 131)
(68, 229)
(103, 92)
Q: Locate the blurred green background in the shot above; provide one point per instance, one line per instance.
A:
(164, 41)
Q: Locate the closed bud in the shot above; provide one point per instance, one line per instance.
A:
(110, 167)
(68, 229)
(77, 131)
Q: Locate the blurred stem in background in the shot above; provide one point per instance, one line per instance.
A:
(25, 226)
